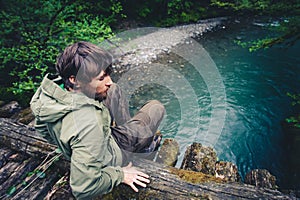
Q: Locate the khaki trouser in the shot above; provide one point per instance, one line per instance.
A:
(133, 134)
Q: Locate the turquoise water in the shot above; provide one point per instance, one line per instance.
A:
(256, 86)
(245, 120)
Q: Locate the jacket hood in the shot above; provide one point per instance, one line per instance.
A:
(51, 102)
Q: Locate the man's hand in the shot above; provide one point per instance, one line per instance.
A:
(133, 176)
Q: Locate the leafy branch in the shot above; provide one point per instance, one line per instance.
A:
(295, 120)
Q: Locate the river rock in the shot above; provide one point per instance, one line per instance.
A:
(227, 171)
(200, 159)
(261, 178)
(9, 109)
(168, 153)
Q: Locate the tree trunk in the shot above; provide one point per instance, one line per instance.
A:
(166, 182)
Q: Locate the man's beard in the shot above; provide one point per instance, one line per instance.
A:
(100, 97)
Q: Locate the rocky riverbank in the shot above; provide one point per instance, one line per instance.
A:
(144, 45)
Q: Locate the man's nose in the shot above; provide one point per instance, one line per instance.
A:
(109, 82)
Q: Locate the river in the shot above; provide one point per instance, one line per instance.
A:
(256, 87)
(220, 94)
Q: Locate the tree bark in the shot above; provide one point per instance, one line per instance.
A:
(166, 182)
(22, 138)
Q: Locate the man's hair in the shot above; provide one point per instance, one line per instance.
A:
(83, 60)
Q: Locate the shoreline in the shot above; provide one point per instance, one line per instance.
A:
(145, 44)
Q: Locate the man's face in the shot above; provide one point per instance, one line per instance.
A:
(98, 87)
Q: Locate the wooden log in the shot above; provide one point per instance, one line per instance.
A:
(17, 174)
(25, 116)
(9, 109)
(39, 187)
(61, 189)
(166, 182)
(22, 138)
(7, 170)
(171, 183)
(5, 153)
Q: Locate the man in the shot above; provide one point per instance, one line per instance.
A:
(86, 115)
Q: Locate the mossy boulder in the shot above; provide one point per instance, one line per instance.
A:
(199, 158)
(261, 178)
(168, 153)
(227, 171)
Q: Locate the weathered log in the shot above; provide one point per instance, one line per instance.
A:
(23, 178)
(170, 183)
(25, 116)
(17, 174)
(40, 186)
(166, 182)
(61, 189)
(9, 109)
(20, 137)
(10, 166)
(5, 153)
(7, 170)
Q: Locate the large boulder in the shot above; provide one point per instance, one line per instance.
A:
(227, 171)
(200, 159)
(168, 153)
(261, 178)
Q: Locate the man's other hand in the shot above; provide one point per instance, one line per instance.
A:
(132, 176)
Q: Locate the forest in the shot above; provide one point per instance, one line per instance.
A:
(262, 101)
(34, 32)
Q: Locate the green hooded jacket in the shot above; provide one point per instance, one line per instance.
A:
(80, 126)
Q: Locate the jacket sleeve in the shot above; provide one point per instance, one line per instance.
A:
(90, 173)
(41, 127)
(43, 131)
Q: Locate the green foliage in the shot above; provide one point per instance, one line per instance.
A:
(295, 98)
(58, 150)
(34, 32)
(243, 5)
(288, 30)
(183, 12)
(38, 173)
(166, 12)
(258, 6)
(287, 33)
(11, 190)
(294, 120)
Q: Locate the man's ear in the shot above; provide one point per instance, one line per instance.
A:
(72, 79)
(75, 82)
